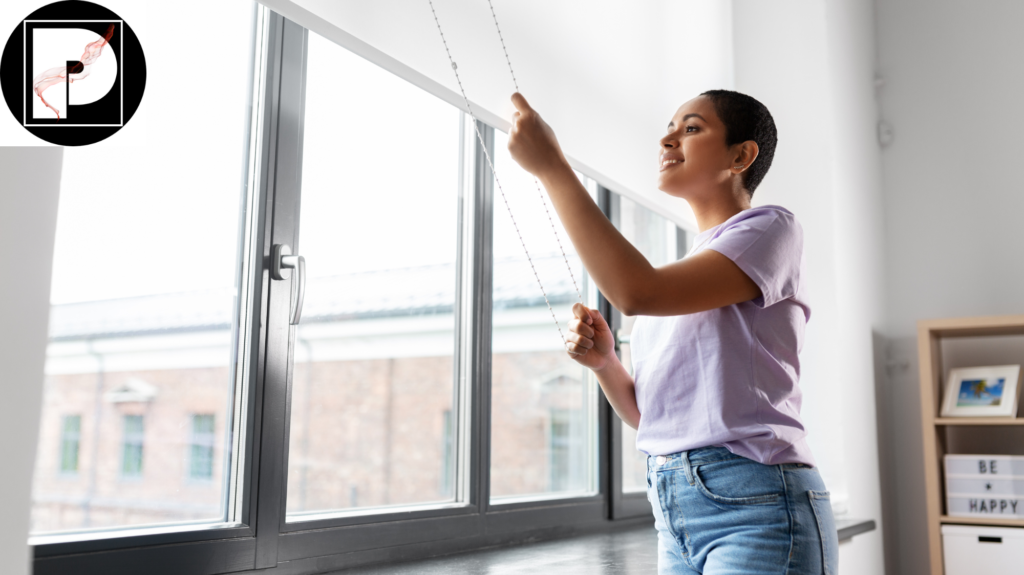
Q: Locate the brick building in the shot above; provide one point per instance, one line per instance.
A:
(137, 416)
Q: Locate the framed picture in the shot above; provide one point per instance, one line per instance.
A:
(982, 391)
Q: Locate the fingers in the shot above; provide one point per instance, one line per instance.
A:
(582, 312)
(577, 326)
(520, 103)
(598, 320)
(575, 349)
(579, 340)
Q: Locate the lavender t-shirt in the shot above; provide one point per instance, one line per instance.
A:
(728, 376)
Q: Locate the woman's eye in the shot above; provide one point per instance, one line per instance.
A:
(691, 129)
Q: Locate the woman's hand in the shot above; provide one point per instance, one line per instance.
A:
(590, 340)
(532, 142)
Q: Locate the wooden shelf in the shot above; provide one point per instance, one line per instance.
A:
(979, 421)
(974, 326)
(930, 334)
(992, 521)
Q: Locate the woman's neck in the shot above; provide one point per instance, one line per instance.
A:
(715, 209)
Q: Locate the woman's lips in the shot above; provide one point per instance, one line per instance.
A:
(668, 163)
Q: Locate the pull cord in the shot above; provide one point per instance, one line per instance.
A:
(497, 181)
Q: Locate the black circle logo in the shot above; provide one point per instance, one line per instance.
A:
(73, 73)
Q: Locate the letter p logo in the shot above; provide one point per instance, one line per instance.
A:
(73, 73)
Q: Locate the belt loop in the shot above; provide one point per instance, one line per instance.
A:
(684, 456)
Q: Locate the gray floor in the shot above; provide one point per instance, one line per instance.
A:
(628, 552)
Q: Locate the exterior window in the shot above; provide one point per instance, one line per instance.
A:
(531, 375)
(661, 242)
(566, 466)
(70, 441)
(131, 334)
(131, 460)
(201, 447)
(374, 349)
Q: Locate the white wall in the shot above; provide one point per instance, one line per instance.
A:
(605, 77)
(953, 201)
(812, 64)
(29, 187)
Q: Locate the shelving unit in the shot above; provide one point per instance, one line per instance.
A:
(930, 335)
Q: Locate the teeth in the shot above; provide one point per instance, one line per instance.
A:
(667, 162)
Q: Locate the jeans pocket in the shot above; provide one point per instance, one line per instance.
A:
(739, 482)
(822, 505)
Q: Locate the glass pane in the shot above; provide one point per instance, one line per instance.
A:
(373, 382)
(144, 294)
(657, 239)
(543, 424)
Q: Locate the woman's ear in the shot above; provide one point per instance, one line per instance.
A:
(746, 153)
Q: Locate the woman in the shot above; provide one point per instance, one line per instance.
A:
(714, 395)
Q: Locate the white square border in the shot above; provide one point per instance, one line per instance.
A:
(24, 66)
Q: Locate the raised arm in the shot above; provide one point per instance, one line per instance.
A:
(705, 281)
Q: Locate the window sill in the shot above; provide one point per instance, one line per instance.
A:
(849, 527)
(632, 545)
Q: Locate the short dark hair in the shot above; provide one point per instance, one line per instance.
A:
(747, 119)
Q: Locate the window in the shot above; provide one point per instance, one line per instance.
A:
(447, 483)
(532, 377)
(661, 242)
(131, 446)
(158, 325)
(567, 464)
(375, 347)
(70, 441)
(423, 393)
(201, 447)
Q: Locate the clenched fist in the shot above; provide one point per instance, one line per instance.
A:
(590, 340)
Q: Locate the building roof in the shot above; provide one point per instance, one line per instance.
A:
(373, 294)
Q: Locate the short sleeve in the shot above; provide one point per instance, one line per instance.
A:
(767, 244)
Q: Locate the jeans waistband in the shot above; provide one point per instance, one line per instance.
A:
(690, 458)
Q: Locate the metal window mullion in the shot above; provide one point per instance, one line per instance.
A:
(283, 154)
(622, 505)
(482, 308)
(237, 464)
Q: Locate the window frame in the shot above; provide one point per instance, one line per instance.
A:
(264, 539)
(626, 504)
(205, 549)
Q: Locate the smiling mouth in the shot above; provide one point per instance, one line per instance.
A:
(668, 164)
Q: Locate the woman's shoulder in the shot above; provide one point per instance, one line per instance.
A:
(769, 212)
(762, 218)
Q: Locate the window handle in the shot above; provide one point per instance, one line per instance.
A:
(282, 262)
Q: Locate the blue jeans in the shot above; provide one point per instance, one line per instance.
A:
(721, 514)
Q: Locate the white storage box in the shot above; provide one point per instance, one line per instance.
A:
(976, 550)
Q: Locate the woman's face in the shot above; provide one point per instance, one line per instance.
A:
(693, 155)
